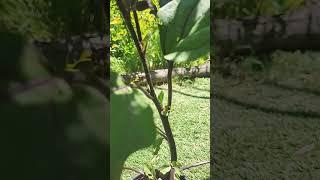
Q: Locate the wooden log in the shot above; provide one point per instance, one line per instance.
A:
(160, 76)
(299, 29)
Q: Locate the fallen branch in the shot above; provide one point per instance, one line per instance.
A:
(160, 76)
(299, 29)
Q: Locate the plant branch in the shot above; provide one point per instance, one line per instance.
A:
(163, 134)
(135, 85)
(133, 34)
(172, 172)
(170, 68)
(136, 20)
(164, 118)
(195, 165)
(171, 142)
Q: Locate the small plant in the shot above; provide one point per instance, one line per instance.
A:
(184, 30)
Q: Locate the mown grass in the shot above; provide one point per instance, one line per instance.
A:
(267, 125)
(191, 128)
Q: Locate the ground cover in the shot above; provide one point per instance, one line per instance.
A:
(190, 124)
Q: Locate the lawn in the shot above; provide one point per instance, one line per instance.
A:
(191, 128)
(267, 125)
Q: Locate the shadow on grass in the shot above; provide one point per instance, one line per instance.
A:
(305, 114)
(291, 88)
(186, 94)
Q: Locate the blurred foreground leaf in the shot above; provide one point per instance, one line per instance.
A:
(132, 126)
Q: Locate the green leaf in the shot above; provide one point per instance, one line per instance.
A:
(156, 145)
(191, 47)
(132, 126)
(165, 169)
(167, 13)
(185, 29)
(176, 164)
(146, 39)
(160, 97)
(177, 173)
(148, 172)
(163, 2)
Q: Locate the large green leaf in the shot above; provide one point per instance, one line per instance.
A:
(185, 29)
(132, 125)
(163, 2)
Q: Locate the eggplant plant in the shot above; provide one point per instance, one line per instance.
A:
(184, 36)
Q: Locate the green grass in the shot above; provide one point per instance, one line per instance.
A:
(267, 125)
(191, 128)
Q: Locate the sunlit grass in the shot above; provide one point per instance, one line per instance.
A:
(191, 127)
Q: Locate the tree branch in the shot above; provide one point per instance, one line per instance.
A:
(164, 119)
(171, 142)
(136, 20)
(163, 134)
(142, 90)
(195, 165)
(133, 34)
(170, 68)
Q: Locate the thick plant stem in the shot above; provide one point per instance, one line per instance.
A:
(170, 68)
(136, 20)
(166, 124)
(137, 43)
(171, 142)
(163, 117)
